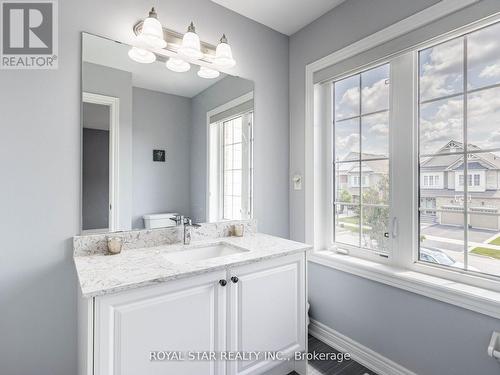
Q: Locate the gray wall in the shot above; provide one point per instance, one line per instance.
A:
(427, 336)
(98, 79)
(40, 189)
(95, 179)
(160, 121)
(225, 90)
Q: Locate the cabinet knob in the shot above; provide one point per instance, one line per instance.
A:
(234, 279)
(222, 282)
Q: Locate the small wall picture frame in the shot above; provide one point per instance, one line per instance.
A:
(159, 155)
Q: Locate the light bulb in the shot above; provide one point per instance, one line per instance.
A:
(141, 55)
(152, 31)
(223, 54)
(177, 65)
(207, 73)
(190, 46)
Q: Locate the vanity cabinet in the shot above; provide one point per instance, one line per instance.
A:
(267, 311)
(255, 307)
(184, 315)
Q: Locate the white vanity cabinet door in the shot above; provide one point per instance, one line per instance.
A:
(267, 311)
(183, 315)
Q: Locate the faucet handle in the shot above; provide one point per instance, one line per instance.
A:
(177, 219)
(189, 222)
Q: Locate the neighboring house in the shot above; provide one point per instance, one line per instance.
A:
(350, 179)
(442, 185)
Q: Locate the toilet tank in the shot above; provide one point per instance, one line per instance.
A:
(159, 220)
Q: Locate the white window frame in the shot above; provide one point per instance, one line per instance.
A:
(478, 292)
(327, 101)
(215, 208)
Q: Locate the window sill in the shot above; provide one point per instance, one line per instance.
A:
(477, 299)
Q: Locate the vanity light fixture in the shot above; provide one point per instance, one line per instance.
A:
(190, 46)
(177, 65)
(181, 50)
(208, 73)
(152, 32)
(141, 55)
(223, 54)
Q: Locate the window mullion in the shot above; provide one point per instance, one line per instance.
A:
(466, 160)
(403, 158)
(360, 165)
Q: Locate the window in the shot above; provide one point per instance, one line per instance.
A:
(459, 132)
(437, 192)
(361, 133)
(230, 163)
(232, 168)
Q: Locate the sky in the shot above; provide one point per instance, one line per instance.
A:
(442, 74)
(441, 71)
(374, 132)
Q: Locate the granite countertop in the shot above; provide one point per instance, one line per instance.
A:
(103, 274)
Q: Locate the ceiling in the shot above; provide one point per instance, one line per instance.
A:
(285, 16)
(153, 76)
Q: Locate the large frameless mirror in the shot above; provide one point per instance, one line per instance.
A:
(157, 143)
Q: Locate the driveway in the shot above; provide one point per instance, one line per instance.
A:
(455, 234)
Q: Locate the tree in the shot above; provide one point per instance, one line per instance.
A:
(345, 196)
(376, 217)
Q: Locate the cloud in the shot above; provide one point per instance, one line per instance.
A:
(441, 70)
(379, 129)
(495, 137)
(441, 121)
(348, 143)
(376, 97)
(490, 71)
(441, 66)
(348, 105)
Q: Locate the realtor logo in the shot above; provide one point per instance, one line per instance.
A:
(29, 34)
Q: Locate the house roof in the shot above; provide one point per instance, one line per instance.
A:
(367, 166)
(352, 156)
(482, 160)
(475, 165)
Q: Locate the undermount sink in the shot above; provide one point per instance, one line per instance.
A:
(201, 253)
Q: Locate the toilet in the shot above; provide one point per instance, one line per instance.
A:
(159, 220)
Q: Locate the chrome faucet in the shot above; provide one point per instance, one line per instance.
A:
(188, 223)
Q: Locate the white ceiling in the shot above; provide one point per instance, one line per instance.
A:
(153, 76)
(285, 16)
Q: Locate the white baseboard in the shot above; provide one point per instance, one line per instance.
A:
(361, 354)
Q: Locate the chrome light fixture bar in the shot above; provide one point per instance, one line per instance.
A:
(179, 50)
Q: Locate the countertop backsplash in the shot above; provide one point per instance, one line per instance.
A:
(94, 244)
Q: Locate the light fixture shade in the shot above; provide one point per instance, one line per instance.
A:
(207, 73)
(152, 31)
(141, 55)
(190, 46)
(177, 65)
(223, 54)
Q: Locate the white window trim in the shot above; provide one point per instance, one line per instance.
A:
(222, 108)
(328, 196)
(474, 292)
